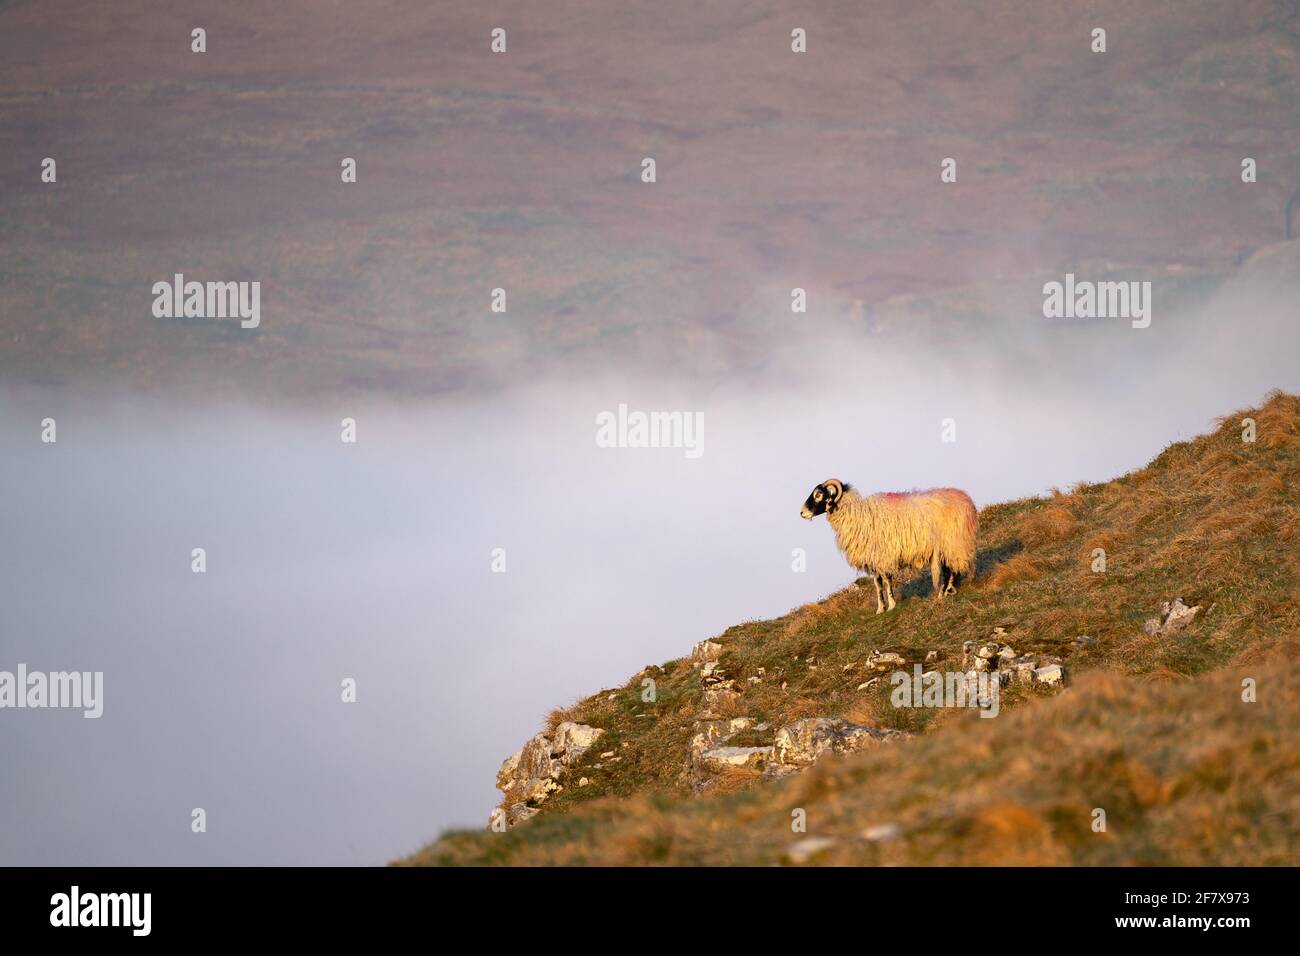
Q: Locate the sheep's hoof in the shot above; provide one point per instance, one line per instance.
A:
(879, 609)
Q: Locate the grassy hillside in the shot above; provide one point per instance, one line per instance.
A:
(1153, 729)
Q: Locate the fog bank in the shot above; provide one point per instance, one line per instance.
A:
(374, 561)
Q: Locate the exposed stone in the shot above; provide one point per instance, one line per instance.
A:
(1083, 640)
(713, 733)
(975, 652)
(711, 672)
(803, 742)
(885, 660)
(706, 651)
(807, 850)
(520, 812)
(1174, 616)
(573, 740)
(720, 698)
(531, 774)
(1021, 669)
(736, 758)
(882, 832)
(1052, 675)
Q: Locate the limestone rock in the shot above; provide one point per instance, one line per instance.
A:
(736, 758)
(720, 698)
(885, 660)
(710, 734)
(1051, 675)
(520, 812)
(532, 773)
(529, 774)
(706, 651)
(807, 850)
(573, 740)
(803, 742)
(711, 672)
(1174, 616)
(882, 832)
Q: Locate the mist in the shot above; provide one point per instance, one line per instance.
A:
(374, 561)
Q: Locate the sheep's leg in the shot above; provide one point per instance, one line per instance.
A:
(936, 575)
(880, 605)
(889, 590)
(948, 578)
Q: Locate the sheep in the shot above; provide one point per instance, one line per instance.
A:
(884, 533)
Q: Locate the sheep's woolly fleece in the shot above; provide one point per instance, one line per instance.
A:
(894, 530)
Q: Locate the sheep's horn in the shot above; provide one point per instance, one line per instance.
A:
(836, 484)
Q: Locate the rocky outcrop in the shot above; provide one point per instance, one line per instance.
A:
(1174, 616)
(804, 742)
(1002, 661)
(712, 733)
(572, 740)
(720, 759)
(705, 651)
(532, 773)
(795, 746)
(718, 700)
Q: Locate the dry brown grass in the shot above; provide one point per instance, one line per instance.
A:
(1049, 524)
(1016, 570)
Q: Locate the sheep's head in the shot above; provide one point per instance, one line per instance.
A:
(823, 499)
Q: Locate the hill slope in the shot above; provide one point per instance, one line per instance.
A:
(1154, 729)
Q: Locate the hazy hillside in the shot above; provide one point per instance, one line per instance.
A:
(521, 171)
(1151, 727)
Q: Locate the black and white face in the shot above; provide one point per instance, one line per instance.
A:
(822, 499)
